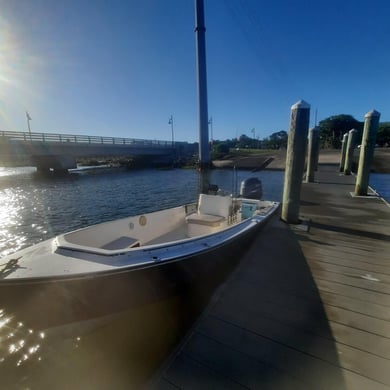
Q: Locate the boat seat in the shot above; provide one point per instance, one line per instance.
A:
(213, 210)
(121, 243)
(205, 219)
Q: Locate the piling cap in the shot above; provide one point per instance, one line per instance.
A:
(372, 113)
(300, 104)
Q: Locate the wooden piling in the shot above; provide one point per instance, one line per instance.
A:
(349, 152)
(318, 150)
(343, 151)
(367, 152)
(295, 161)
(312, 157)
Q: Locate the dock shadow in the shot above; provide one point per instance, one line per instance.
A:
(355, 232)
(307, 238)
(267, 325)
(307, 203)
(334, 183)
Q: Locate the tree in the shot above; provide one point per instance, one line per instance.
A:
(246, 142)
(220, 149)
(333, 128)
(383, 134)
(276, 140)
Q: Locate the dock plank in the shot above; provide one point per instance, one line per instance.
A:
(310, 369)
(318, 264)
(188, 373)
(362, 262)
(239, 366)
(374, 310)
(276, 321)
(360, 339)
(359, 321)
(360, 281)
(354, 292)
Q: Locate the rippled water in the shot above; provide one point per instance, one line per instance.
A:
(34, 208)
(380, 182)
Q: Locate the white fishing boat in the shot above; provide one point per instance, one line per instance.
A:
(118, 265)
(127, 263)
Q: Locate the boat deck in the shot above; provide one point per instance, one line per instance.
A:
(179, 233)
(308, 307)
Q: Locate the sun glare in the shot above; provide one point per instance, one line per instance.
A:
(9, 217)
(20, 70)
(8, 54)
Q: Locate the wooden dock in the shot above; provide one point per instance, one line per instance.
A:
(307, 308)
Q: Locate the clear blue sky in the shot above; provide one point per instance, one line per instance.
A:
(121, 68)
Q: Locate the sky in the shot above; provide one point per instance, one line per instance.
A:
(122, 68)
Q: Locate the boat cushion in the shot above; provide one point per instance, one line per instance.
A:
(212, 210)
(215, 205)
(205, 219)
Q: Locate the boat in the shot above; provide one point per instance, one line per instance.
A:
(130, 262)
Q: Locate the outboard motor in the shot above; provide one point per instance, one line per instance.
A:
(251, 188)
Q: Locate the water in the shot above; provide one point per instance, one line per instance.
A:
(35, 208)
(118, 351)
(380, 182)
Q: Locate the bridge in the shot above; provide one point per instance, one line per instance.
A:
(60, 152)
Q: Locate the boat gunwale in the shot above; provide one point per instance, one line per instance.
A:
(117, 252)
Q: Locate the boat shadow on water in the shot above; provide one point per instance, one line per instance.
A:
(122, 350)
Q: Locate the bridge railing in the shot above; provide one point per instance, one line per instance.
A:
(85, 139)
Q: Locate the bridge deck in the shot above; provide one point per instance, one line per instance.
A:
(83, 139)
(49, 151)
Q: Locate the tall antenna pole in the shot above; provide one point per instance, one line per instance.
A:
(28, 117)
(200, 30)
(171, 123)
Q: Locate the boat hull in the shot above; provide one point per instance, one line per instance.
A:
(46, 303)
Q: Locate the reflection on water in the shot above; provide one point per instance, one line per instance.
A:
(19, 346)
(119, 352)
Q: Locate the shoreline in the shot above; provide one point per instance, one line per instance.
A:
(276, 160)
